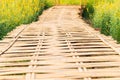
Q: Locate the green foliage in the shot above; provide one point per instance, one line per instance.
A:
(88, 11)
(49, 3)
(106, 16)
(105, 24)
(115, 27)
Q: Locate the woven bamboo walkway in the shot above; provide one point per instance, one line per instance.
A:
(60, 46)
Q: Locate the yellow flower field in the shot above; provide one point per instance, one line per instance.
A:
(16, 12)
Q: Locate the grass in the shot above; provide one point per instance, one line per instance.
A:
(104, 14)
(16, 12)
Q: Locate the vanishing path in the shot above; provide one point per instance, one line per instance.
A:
(60, 46)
